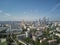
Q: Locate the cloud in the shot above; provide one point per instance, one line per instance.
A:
(1, 11)
(55, 7)
(31, 10)
(7, 14)
(26, 18)
(36, 10)
(25, 12)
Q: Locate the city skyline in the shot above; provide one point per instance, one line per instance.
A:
(16, 10)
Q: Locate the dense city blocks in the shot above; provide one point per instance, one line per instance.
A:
(29, 33)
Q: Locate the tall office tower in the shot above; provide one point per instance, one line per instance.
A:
(40, 21)
(44, 21)
(23, 22)
(35, 23)
(47, 22)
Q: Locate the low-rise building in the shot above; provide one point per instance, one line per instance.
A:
(2, 40)
(52, 42)
(43, 40)
(34, 38)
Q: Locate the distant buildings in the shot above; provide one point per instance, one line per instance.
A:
(41, 30)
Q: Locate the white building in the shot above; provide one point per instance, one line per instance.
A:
(27, 33)
(52, 42)
(2, 40)
(34, 38)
